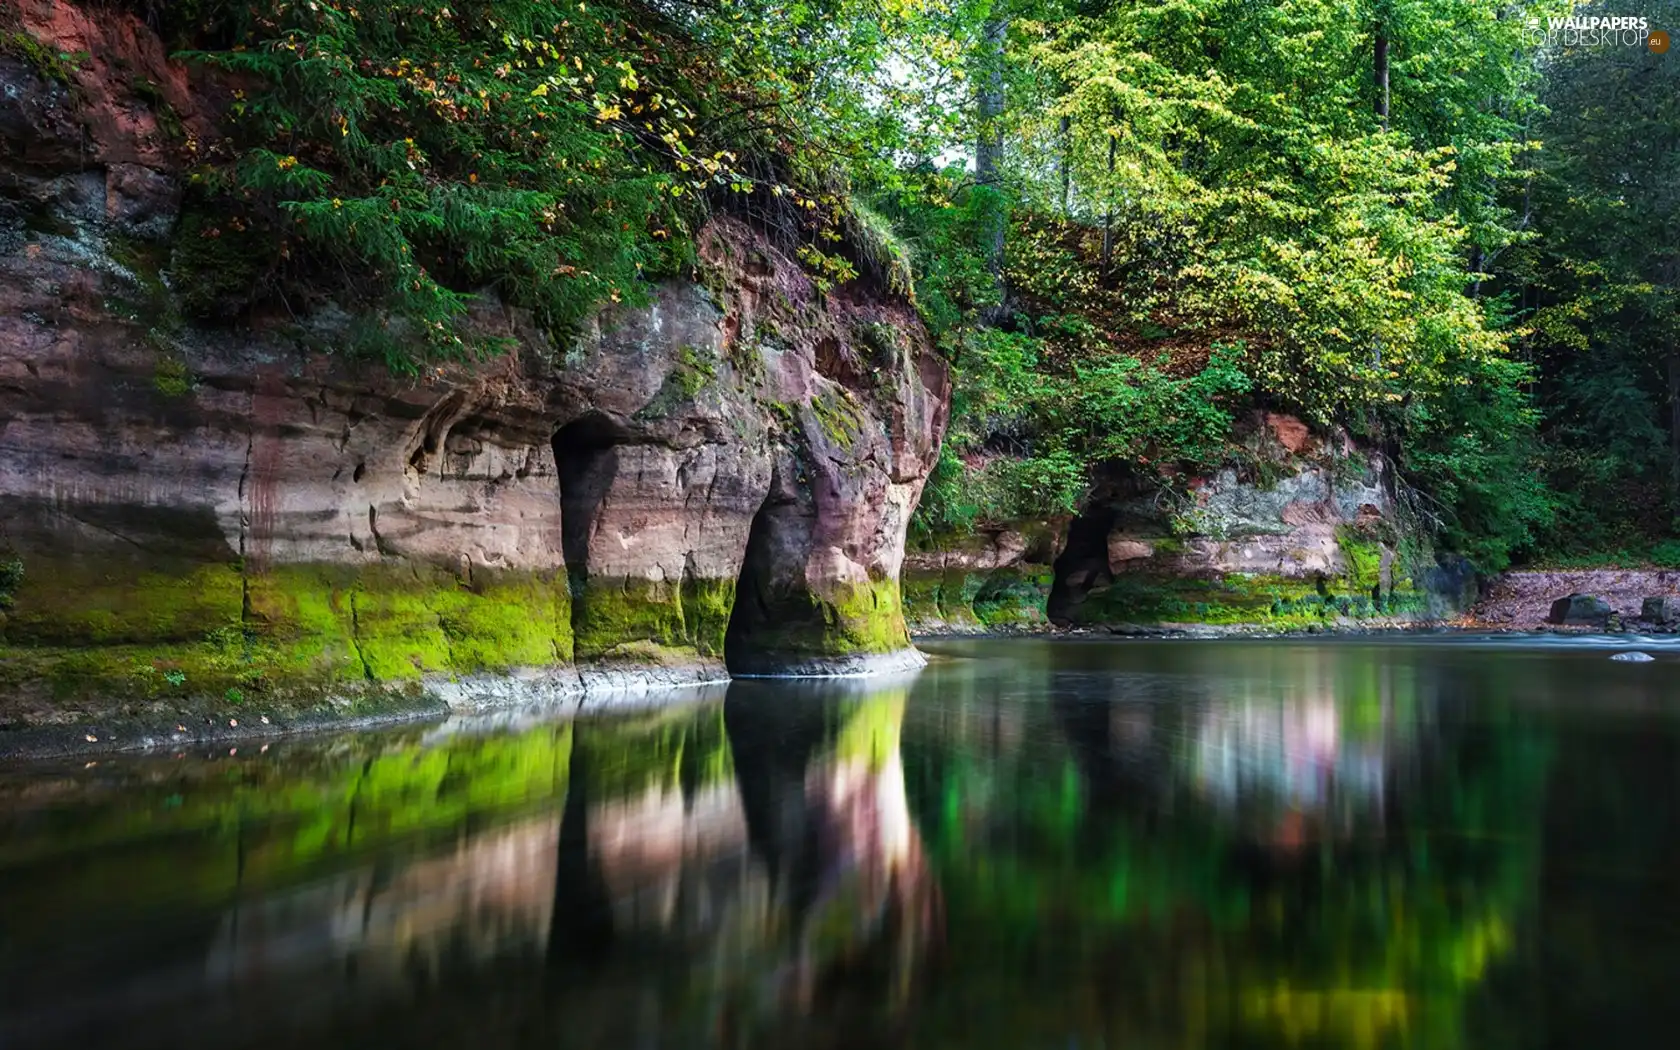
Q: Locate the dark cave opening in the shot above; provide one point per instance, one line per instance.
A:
(586, 459)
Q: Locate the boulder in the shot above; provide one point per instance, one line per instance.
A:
(1580, 610)
(1633, 658)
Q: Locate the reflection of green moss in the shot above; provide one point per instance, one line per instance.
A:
(870, 728)
(209, 829)
(652, 621)
(667, 749)
(205, 830)
(1395, 953)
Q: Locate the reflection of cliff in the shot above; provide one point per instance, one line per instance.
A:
(757, 865)
(828, 815)
(486, 898)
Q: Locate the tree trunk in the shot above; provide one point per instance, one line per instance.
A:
(1674, 425)
(1067, 166)
(988, 152)
(1108, 216)
(1379, 73)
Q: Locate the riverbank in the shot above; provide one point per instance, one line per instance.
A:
(1518, 601)
(1525, 596)
(131, 725)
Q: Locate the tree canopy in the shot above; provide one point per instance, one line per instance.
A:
(1421, 220)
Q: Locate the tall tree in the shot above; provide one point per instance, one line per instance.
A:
(990, 98)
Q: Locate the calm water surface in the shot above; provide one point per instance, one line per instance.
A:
(1029, 844)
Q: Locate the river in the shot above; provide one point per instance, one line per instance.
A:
(1340, 843)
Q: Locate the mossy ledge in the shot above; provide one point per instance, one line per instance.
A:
(295, 643)
(1238, 599)
(960, 601)
(847, 629)
(122, 658)
(660, 623)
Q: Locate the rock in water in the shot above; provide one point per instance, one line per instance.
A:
(1633, 658)
(1580, 610)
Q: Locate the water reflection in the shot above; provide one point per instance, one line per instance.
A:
(752, 863)
(1025, 845)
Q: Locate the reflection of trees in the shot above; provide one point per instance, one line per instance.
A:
(1287, 849)
(1208, 861)
(1598, 971)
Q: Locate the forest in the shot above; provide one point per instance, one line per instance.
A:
(1442, 225)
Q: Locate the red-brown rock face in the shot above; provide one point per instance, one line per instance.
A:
(593, 506)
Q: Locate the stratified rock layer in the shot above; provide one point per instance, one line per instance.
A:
(725, 470)
(1301, 530)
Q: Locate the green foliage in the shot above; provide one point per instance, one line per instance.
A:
(11, 574)
(220, 261)
(1201, 227)
(1206, 213)
(1471, 448)
(434, 149)
(1601, 288)
(1126, 409)
(958, 497)
(555, 154)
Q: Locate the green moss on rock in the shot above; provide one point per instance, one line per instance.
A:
(294, 631)
(941, 597)
(1364, 557)
(652, 621)
(794, 624)
(1010, 597)
(1281, 602)
(68, 601)
(1013, 597)
(839, 416)
(388, 623)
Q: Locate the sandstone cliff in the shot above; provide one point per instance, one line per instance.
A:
(1301, 531)
(719, 478)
